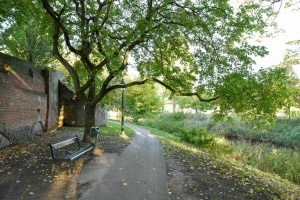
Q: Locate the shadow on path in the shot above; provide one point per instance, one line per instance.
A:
(138, 173)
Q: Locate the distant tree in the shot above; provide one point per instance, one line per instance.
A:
(292, 60)
(142, 101)
(193, 102)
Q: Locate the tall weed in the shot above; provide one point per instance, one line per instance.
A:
(248, 146)
(198, 137)
(196, 121)
(169, 122)
(268, 158)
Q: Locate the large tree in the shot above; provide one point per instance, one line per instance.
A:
(190, 47)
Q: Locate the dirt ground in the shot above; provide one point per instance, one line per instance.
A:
(188, 180)
(25, 172)
(25, 168)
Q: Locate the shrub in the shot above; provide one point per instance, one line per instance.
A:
(196, 121)
(169, 122)
(197, 137)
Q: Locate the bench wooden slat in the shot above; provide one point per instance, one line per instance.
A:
(66, 143)
(77, 154)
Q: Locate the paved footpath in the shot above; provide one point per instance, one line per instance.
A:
(138, 173)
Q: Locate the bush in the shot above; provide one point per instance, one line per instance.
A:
(286, 132)
(197, 137)
(196, 121)
(195, 129)
(169, 122)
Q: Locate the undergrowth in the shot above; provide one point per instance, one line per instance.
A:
(198, 157)
(198, 137)
(275, 150)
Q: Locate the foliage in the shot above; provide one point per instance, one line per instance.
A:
(22, 36)
(268, 158)
(249, 95)
(14, 11)
(223, 158)
(142, 101)
(248, 146)
(197, 120)
(25, 42)
(198, 137)
(284, 132)
(194, 48)
(170, 122)
(192, 102)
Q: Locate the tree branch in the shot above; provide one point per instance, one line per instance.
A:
(55, 17)
(57, 54)
(142, 82)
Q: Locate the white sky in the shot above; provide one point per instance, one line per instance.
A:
(288, 20)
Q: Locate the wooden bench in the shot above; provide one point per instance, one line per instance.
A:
(68, 151)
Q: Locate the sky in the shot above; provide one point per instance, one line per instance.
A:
(288, 20)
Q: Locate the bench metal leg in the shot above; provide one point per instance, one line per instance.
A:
(71, 166)
(53, 168)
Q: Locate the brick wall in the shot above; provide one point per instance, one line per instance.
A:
(23, 102)
(32, 101)
(72, 109)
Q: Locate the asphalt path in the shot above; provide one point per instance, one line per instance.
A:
(138, 173)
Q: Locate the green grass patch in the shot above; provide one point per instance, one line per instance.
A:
(113, 129)
(281, 161)
(198, 137)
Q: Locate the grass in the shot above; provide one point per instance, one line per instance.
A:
(228, 166)
(111, 138)
(278, 157)
(115, 129)
(281, 161)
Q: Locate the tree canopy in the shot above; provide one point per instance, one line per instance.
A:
(142, 101)
(23, 32)
(193, 48)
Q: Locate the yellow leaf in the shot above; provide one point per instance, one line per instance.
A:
(124, 184)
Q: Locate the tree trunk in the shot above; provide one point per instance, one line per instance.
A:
(89, 121)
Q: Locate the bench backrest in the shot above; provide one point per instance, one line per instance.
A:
(66, 143)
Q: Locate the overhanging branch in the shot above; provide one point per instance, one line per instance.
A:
(180, 93)
(135, 83)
